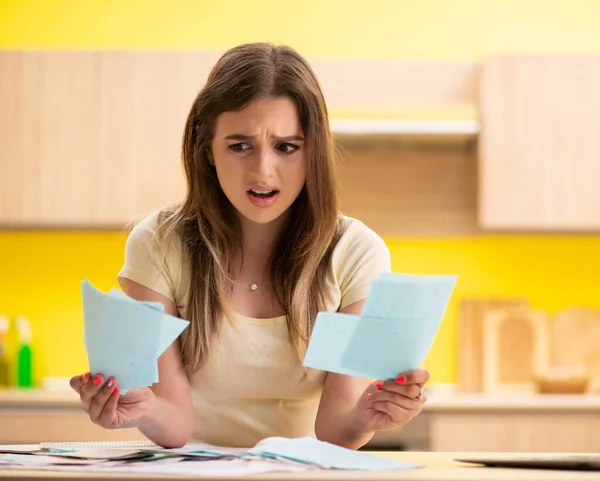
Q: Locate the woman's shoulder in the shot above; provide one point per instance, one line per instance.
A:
(145, 233)
(359, 247)
(359, 257)
(152, 259)
(145, 225)
(356, 235)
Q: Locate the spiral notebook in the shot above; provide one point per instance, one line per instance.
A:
(75, 445)
(113, 448)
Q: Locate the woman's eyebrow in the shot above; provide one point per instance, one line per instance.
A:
(291, 137)
(250, 137)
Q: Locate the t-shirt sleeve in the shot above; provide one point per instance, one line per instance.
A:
(364, 258)
(143, 262)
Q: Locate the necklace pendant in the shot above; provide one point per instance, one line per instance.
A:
(253, 287)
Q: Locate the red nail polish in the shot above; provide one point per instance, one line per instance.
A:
(400, 379)
(115, 391)
(86, 377)
(111, 382)
(97, 379)
(379, 385)
(368, 396)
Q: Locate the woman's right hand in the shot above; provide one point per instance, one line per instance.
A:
(105, 405)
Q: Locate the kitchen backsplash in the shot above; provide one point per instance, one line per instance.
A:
(41, 272)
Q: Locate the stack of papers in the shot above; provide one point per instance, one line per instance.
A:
(393, 334)
(270, 455)
(324, 455)
(124, 337)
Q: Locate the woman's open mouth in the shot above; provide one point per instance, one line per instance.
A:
(263, 198)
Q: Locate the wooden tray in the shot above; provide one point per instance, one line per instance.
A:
(470, 338)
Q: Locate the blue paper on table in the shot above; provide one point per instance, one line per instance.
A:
(393, 334)
(124, 337)
(312, 451)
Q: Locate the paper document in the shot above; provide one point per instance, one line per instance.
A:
(273, 454)
(124, 337)
(19, 448)
(104, 454)
(171, 466)
(330, 456)
(393, 334)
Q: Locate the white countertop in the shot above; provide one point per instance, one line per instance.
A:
(31, 398)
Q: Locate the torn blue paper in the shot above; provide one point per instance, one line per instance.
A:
(393, 334)
(172, 326)
(124, 337)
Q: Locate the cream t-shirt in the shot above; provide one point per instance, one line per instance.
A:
(250, 387)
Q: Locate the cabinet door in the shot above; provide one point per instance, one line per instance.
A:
(516, 430)
(92, 139)
(48, 146)
(36, 425)
(540, 142)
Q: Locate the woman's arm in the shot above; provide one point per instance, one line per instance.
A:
(170, 421)
(352, 409)
(335, 421)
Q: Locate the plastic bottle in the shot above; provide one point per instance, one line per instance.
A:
(4, 363)
(24, 369)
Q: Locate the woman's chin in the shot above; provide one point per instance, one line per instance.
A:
(261, 215)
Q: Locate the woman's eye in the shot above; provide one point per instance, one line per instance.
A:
(286, 148)
(240, 147)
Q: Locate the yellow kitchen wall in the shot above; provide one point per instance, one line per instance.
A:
(40, 271)
(318, 28)
(41, 274)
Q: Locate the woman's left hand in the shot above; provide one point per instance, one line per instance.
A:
(393, 403)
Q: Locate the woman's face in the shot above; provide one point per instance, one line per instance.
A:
(259, 156)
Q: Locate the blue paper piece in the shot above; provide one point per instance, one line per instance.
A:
(393, 334)
(398, 324)
(124, 337)
(312, 451)
(409, 296)
(330, 337)
(172, 326)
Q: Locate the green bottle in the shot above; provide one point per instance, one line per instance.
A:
(24, 355)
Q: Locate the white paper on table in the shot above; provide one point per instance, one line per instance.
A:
(37, 461)
(172, 466)
(19, 448)
(102, 454)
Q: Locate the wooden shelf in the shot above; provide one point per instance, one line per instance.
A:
(404, 127)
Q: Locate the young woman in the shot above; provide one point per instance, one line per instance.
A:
(254, 251)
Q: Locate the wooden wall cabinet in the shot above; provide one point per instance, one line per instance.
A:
(91, 139)
(539, 144)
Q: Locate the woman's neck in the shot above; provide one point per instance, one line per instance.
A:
(258, 240)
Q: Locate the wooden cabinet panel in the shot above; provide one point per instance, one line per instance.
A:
(92, 139)
(540, 142)
(47, 145)
(409, 190)
(36, 426)
(516, 432)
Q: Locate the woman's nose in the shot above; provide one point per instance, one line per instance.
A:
(263, 164)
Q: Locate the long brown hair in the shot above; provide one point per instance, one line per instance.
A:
(205, 220)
